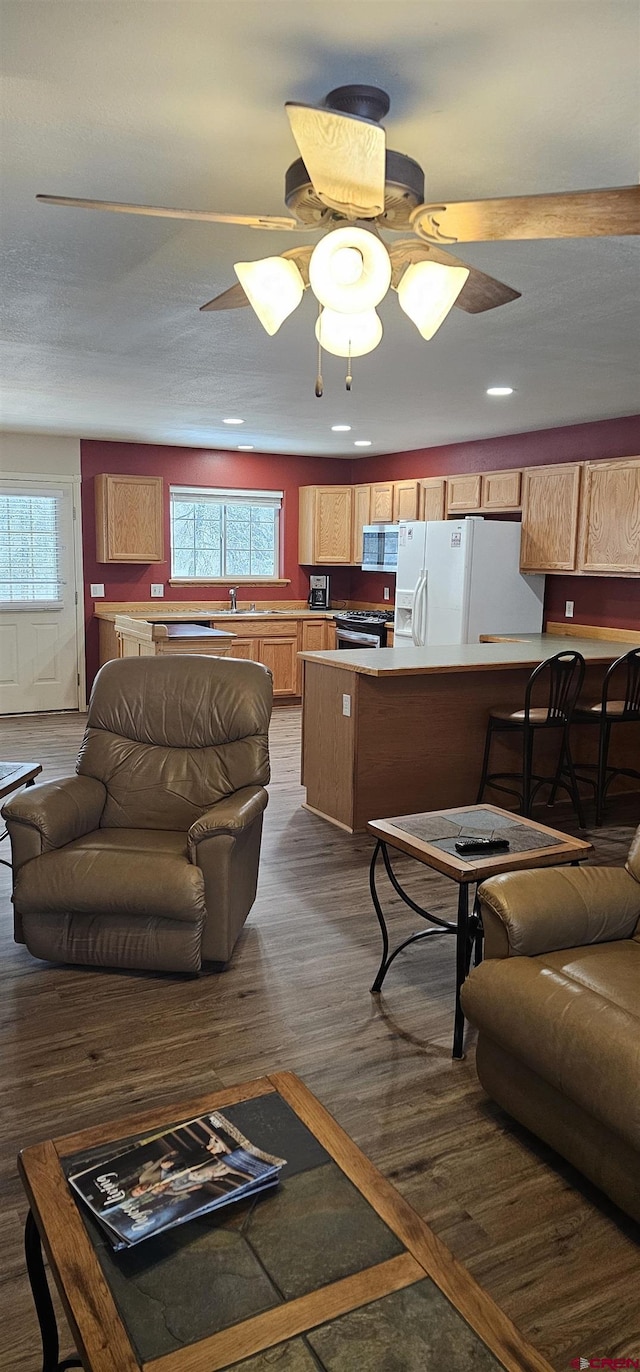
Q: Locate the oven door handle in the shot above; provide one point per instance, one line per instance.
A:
(359, 640)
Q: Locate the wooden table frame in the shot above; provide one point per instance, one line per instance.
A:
(466, 872)
(98, 1331)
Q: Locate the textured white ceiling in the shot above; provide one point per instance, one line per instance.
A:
(182, 104)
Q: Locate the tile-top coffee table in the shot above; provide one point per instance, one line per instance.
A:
(430, 838)
(333, 1271)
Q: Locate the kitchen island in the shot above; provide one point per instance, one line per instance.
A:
(395, 731)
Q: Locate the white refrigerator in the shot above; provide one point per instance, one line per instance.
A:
(458, 579)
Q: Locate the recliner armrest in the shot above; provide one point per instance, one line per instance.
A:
(52, 814)
(527, 913)
(231, 815)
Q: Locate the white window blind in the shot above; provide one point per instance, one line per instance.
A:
(30, 548)
(218, 533)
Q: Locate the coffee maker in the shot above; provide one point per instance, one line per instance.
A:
(318, 593)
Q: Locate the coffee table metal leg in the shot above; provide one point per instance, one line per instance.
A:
(463, 958)
(43, 1302)
(442, 926)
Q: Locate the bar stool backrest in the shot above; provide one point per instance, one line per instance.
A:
(631, 699)
(566, 674)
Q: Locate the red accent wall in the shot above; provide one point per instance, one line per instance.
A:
(613, 602)
(199, 467)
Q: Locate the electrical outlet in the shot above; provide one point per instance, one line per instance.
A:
(97, 589)
(568, 609)
(346, 705)
(157, 589)
(386, 593)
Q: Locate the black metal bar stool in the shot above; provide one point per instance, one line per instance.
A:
(559, 679)
(618, 704)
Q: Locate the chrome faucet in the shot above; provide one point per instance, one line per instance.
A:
(233, 592)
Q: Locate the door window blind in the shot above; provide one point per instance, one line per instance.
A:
(30, 549)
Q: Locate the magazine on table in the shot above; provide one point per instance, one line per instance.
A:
(165, 1179)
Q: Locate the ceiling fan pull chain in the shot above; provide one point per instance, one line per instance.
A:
(348, 379)
(319, 381)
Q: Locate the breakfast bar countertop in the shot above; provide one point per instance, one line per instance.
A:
(527, 650)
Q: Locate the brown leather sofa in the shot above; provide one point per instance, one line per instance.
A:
(557, 1005)
(148, 857)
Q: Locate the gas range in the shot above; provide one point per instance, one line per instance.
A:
(362, 628)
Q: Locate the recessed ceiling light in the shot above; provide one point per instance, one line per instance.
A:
(362, 443)
(500, 390)
(245, 447)
(340, 428)
(233, 421)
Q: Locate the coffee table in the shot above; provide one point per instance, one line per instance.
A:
(13, 775)
(430, 838)
(333, 1270)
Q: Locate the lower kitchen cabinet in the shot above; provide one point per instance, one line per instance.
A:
(281, 656)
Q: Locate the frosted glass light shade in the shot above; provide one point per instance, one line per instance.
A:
(427, 291)
(273, 287)
(333, 274)
(347, 335)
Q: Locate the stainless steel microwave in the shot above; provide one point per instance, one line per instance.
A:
(380, 548)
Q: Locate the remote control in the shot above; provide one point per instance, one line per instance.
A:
(481, 845)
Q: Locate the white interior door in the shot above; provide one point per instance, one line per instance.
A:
(38, 624)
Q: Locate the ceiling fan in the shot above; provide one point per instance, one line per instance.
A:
(346, 181)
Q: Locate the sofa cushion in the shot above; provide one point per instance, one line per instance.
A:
(121, 871)
(574, 1018)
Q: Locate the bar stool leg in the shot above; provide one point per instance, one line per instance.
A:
(485, 761)
(603, 754)
(527, 767)
(575, 793)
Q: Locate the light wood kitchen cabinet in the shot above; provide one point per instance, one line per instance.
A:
(432, 498)
(361, 516)
(313, 635)
(610, 518)
(129, 518)
(463, 492)
(325, 527)
(550, 499)
(246, 648)
(382, 502)
(500, 490)
(405, 500)
(281, 656)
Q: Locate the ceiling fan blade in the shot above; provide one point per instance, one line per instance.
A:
(479, 293)
(571, 214)
(252, 221)
(232, 299)
(344, 155)
(235, 297)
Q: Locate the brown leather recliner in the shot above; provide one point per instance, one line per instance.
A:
(557, 1004)
(148, 857)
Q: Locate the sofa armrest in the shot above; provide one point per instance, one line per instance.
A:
(52, 814)
(527, 913)
(231, 815)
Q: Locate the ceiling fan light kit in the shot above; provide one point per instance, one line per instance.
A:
(427, 291)
(345, 173)
(273, 287)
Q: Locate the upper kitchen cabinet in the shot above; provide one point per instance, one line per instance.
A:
(129, 518)
(405, 499)
(326, 525)
(361, 516)
(500, 490)
(432, 498)
(550, 500)
(610, 518)
(381, 511)
(463, 492)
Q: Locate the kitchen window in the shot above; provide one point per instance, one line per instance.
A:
(224, 535)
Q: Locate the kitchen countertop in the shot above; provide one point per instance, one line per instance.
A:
(526, 651)
(161, 613)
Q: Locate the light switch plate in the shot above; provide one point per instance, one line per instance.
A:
(157, 589)
(346, 704)
(97, 589)
(386, 593)
(568, 609)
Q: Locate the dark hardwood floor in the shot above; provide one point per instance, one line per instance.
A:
(79, 1047)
